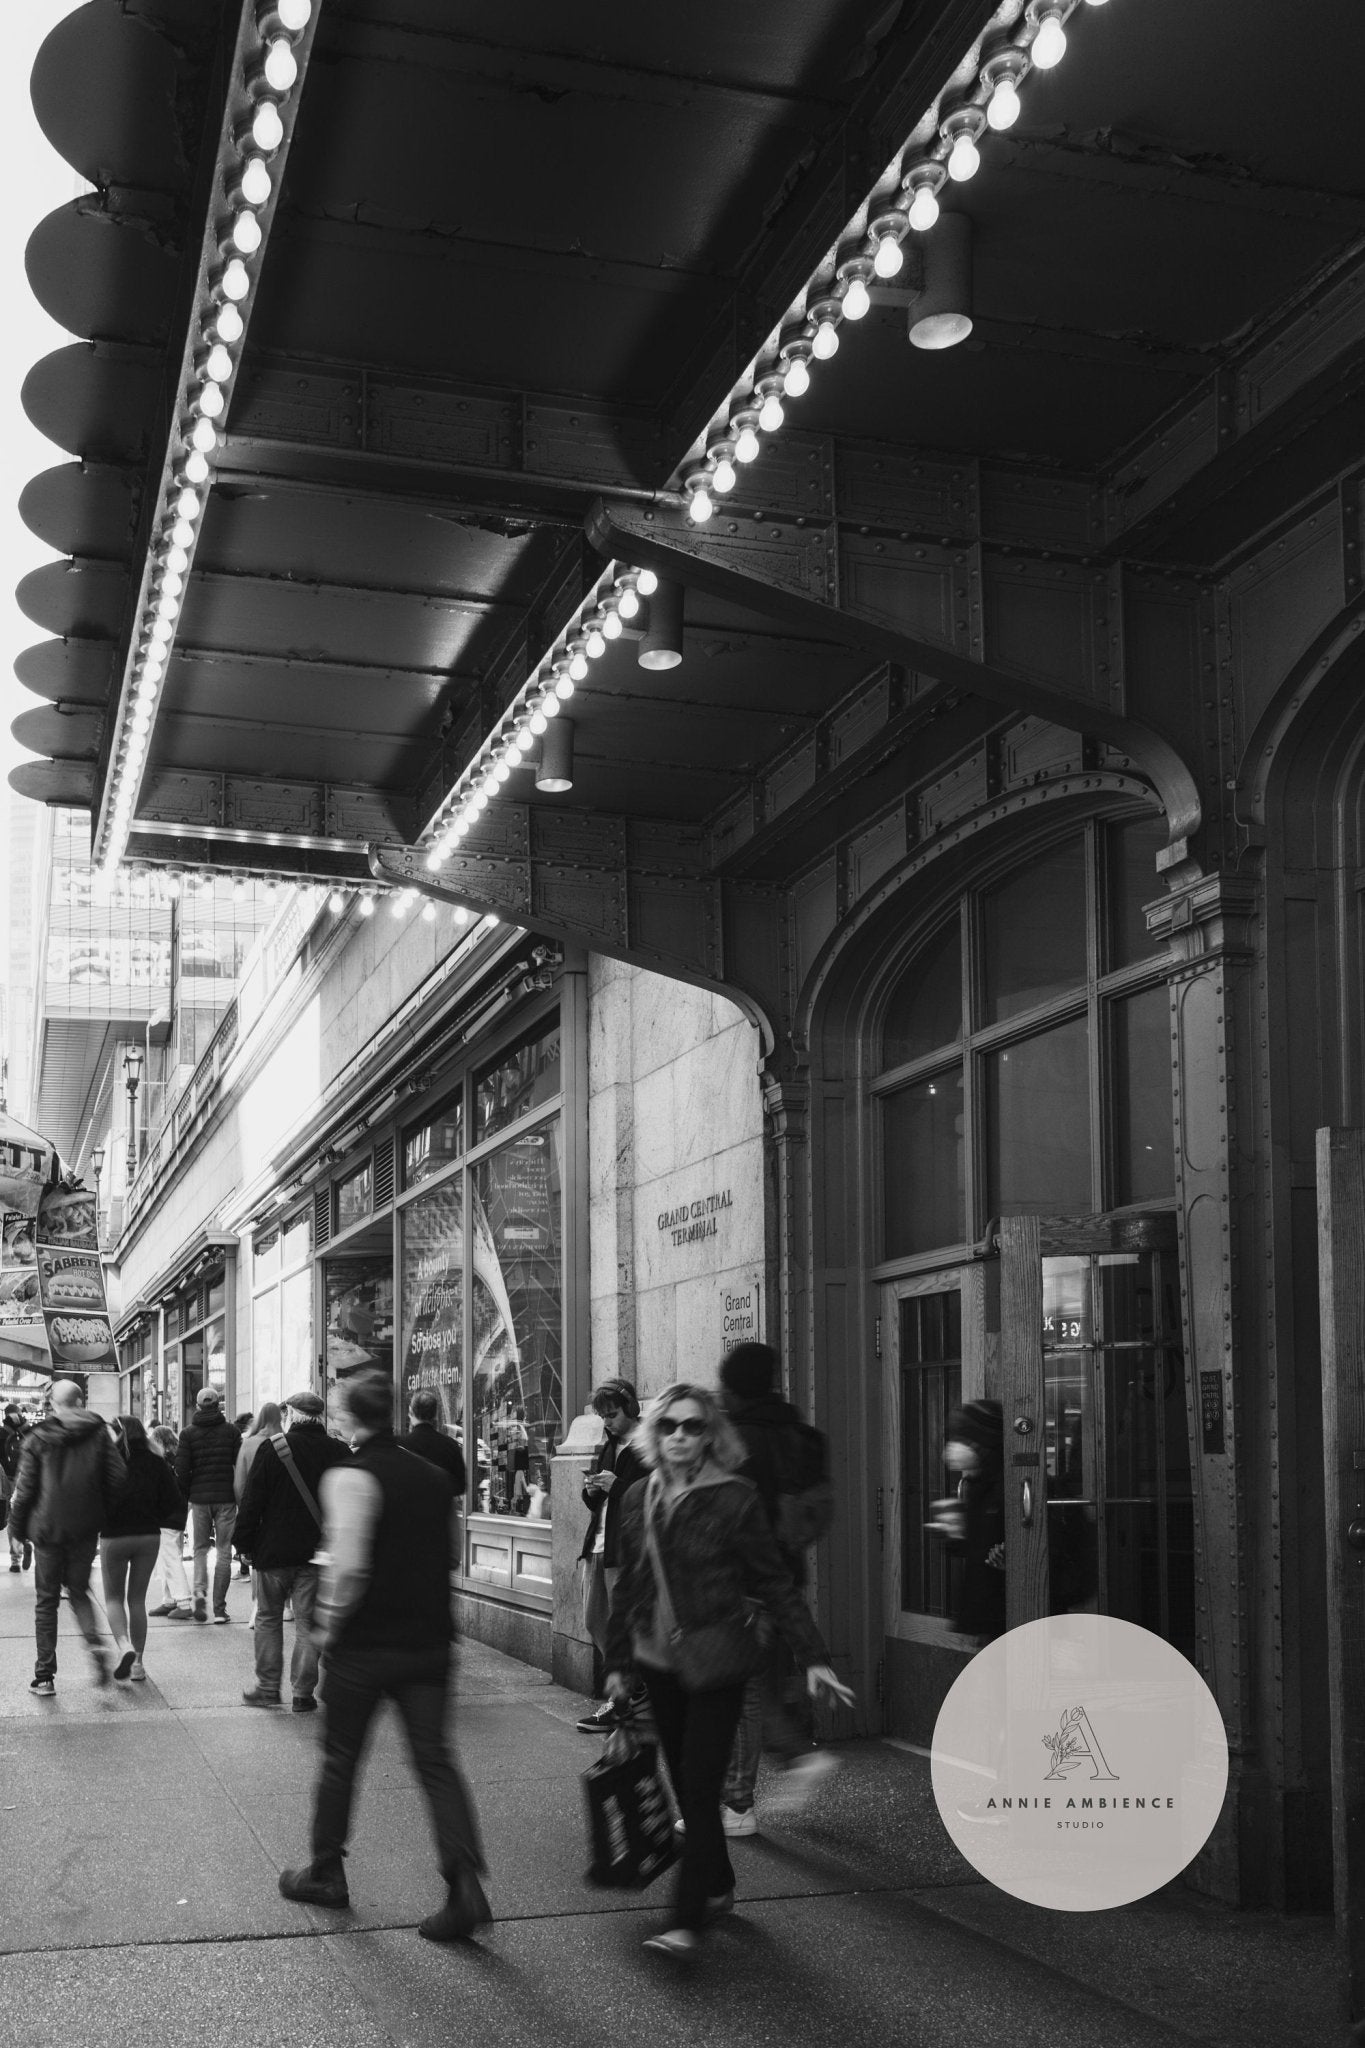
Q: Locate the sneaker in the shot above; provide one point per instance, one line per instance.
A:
(311, 1887)
(124, 1667)
(137, 1674)
(598, 1720)
(303, 1703)
(260, 1696)
(680, 1942)
(801, 1779)
(100, 1660)
(182, 1613)
(466, 1910)
(15, 1565)
(736, 1823)
(221, 1617)
(166, 1607)
(44, 1687)
(201, 1610)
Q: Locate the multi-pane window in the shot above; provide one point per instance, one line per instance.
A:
(196, 1344)
(1025, 1052)
(282, 1310)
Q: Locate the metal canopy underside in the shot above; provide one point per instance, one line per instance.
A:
(520, 257)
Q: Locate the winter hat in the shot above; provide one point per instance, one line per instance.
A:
(305, 1402)
(749, 1371)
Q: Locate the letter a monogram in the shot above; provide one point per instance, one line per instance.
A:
(1075, 1743)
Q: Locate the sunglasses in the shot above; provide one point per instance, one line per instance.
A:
(690, 1425)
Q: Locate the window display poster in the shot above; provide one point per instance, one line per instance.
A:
(433, 1297)
(52, 1305)
(518, 1312)
(359, 1294)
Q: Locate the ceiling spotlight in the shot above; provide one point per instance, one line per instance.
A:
(768, 391)
(267, 129)
(941, 312)
(1001, 78)
(1049, 45)
(960, 131)
(555, 774)
(661, 644)
(744, 427)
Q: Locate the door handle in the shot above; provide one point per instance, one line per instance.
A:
(1026, 1503)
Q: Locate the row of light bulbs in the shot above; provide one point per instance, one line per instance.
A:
(271, 72)
(785, 371)
(601, 618)
(142, 885)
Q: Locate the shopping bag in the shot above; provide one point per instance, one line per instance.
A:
(630, 1823)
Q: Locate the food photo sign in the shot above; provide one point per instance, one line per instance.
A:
(53, 1315)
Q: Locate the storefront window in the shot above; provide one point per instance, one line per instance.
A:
(517, 1366)
(359, 1298)
(282, 1311)
(518, 1081)
(433, 1144)
(432, 1238)
(355, 1195)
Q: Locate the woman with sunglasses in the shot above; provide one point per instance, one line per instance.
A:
(698, 1560)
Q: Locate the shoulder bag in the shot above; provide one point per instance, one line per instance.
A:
(279, 1445)
(715, 1654)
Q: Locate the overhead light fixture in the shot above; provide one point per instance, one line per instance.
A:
(661, 645)
(1000, 75)
(853, 275)
(1049, 43)
(941, 313)
(555, 774)
(960, 130)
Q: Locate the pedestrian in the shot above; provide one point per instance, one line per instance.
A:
(696, 1548)
(974, 1448)
(12, 1434)
(777, 1715)
(429, 1441)
(70, 1477)
(386, 1629)
(130, 1540)
(169, 1578)
(205, 1463)
(279, 1527)
(614, 1469)
(268, 1423)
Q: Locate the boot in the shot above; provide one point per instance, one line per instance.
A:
(317, 1884)
(466, 1910)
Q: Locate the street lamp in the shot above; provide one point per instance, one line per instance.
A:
(132, 1077)
(97, 1168)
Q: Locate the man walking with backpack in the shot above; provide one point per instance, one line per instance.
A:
(70, 1476)
(788, 1461)
(279, 1527)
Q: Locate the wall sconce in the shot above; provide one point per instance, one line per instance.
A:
(661, 645)
(555, 772)
(941, 312)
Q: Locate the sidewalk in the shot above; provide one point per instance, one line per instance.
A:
(143, 1829)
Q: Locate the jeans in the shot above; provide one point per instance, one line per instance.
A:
(776, 1717)
(168, 1576)
(697, 1730)
(216, 1519)
(126, 1563)
(598, 1586)
(417, 1681)
(298, 1582)
(56, 1565)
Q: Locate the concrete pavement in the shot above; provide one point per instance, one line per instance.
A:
(143, 1829)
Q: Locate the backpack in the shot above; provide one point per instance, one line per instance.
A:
(805, 1506)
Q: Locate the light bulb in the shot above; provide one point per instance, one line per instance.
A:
(281, 65)
(796, 379)
(177, 559)
(964, 160)
(428, 912)
(434, 858)
(294, 14)
(336, 902)
(649, 583)
(723, 477)
(246, 233)
(255, 181)
(770, 418)
(182, 533)
(162, 632)
(187, 504)
(699, 506)
(549, 703)
(229, 325)
(856, 301)
(489, 785)
(267, 129)
(888, 259)
(173, 886)
(1049, 45)
(204, 436)
(399, 906)
(1003, 110)
(629, 603)
(564, 687)
(461, 914)
(235, 282)
(578, 666)
(146, 693)
(923, 209)
(524, 740)
(825, 341)
(611, 620)
(152, 667)
(210, 401)
(595, 645)
(172, 584)
(538, 723)
(168, 605)
(367, 906)
(478, 802)
(502, 773)
(747, 446)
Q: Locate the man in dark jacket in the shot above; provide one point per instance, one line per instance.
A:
(205, 1462)
(70, 1476)
(12, 1435)
(430, 1441)
(385, 1620)
(776, 1714)
(279, 1527)
(615, 1467)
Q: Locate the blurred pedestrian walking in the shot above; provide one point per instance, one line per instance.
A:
(279, 1527)
(12, 1434)
(429, 1440)
(70, 1478)
(386, 1630)
(205, 1466)
(697, 1549)
(268, 1422)
(170, 1583)
(615, 1468)
(130, 1542)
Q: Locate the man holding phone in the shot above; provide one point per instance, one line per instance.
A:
(614, 1469)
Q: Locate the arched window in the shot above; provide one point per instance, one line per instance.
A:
(1025, 1058)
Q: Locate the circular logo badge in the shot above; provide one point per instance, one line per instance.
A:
(1079, 1762)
